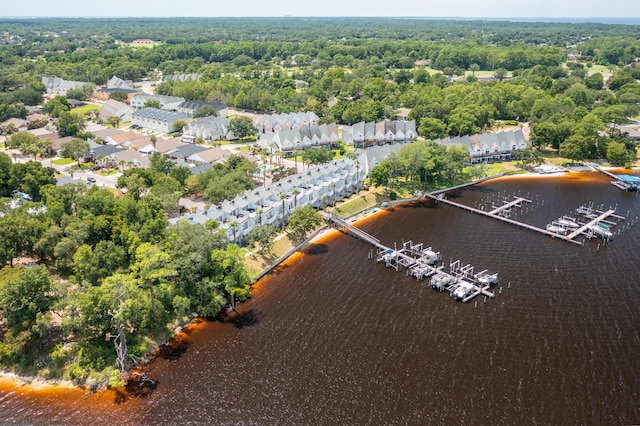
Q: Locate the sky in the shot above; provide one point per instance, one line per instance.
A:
(330, 8)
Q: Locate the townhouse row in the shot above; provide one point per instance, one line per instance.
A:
(317, 187)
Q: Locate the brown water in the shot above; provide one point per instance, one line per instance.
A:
(334, 338)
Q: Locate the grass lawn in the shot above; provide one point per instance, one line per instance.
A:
(552, 157)
(107, 173)
(358, 203)
(63, 161)
(85, 109)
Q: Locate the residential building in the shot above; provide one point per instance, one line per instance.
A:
(167, 102)
(118, 83)
(104, 94)
(113, 108)
(489, 147)
(190, 107)
(120, 137)
(316, 187)
(165, 145)
(158, 119)
(365, 135)
(181, 77)
(208, 128)
(289, 140)
(209, 156)
(271, 123)
(15, 125)
(59, 86)
(127, 158)
(182, 152)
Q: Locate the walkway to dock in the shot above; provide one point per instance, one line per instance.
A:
(502, 218)
(603, 171)
(516, 202)
(418, 261)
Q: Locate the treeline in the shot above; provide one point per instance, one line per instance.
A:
(127, 279)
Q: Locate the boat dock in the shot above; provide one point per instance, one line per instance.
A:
(502, 218)
(421, 263)
(624, 182)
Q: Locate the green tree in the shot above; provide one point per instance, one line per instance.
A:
(23, 298)
(302, 221)
(118, 96)
(262, 236)
(432, 128)
(70, 124)
(152, 103)
(57, 106)
(242, 127)
(114, 120)
(205, 111)
(617, 153)
(74, 149)
(317, 156)
(574, 148)
(152, 267)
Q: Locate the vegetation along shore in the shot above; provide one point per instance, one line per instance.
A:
(149, 173)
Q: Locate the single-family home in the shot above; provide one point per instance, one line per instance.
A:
(120, 138)
(182, 152)
(15, 125)
(113, 108)
(127, 158)
(211, 155)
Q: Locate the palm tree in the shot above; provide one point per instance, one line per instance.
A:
(259, 213)
(295, 193)
(333, 185)
(234, 225)
(121, 163)
(114, 120)
(283, 197)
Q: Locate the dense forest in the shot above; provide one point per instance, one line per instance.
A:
(113, 280)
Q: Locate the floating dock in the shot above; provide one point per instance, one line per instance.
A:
(421, 263)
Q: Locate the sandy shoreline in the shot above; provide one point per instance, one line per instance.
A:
(36, 383)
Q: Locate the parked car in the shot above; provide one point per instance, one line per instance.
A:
(91, 179)
(94, 168)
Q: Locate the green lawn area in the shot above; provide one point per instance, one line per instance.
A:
(552, 157)
(85, 109)
(109, 172)
(359, 203)
(63, 161)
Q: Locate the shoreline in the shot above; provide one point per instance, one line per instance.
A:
(35, 383)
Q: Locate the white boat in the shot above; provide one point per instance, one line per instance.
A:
(429, 257)
(601, 232)
(440, 281)
(487, 277)
(567, 223)
(463, 290)
(556, 229)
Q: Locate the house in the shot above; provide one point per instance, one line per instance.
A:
(120, 138)
(100, 135)
(128, 158)
(15, 125)
(423, 63)
(167, 102)
(190, 107)
(113, 108)
(58, 86)
(158, 119)
(104, 94)
(365, 135)
(212, 155)
(104, 151)
(166, 145)
(118, 83)
(138, 143)
(184, 151)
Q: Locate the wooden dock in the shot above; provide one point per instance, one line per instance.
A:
(601, 218)
(516, 202)
(503, 219)
(413, 258)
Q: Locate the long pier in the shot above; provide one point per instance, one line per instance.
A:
(593, 222)
(420, 262)
(502, 219)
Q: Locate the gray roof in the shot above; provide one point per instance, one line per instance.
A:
(194, 105)
(160, 114)
(105, 150)
(186, 151)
